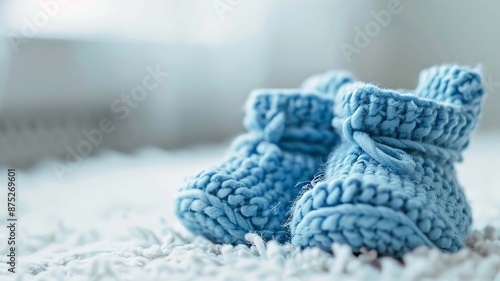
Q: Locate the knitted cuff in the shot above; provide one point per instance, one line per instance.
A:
(294, 119)
(441, 122)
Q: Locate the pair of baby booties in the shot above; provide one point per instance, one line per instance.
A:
(388, 184)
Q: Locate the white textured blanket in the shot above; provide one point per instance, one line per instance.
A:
(112, 219)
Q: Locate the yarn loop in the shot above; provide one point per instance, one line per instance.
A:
(395, 153)
(274, 130)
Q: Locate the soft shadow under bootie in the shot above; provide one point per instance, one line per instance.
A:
(289, 136)
(391, 186)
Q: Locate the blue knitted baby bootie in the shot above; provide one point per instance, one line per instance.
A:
(289, 133)
(391, 185)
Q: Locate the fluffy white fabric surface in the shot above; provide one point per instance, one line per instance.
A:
(112, 219)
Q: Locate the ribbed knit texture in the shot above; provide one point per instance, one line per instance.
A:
(289, 137)
(391, 186)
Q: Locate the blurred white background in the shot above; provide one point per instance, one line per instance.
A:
(64, 63)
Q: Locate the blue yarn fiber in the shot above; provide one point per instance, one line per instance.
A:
(289, 136)
(391, 185)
